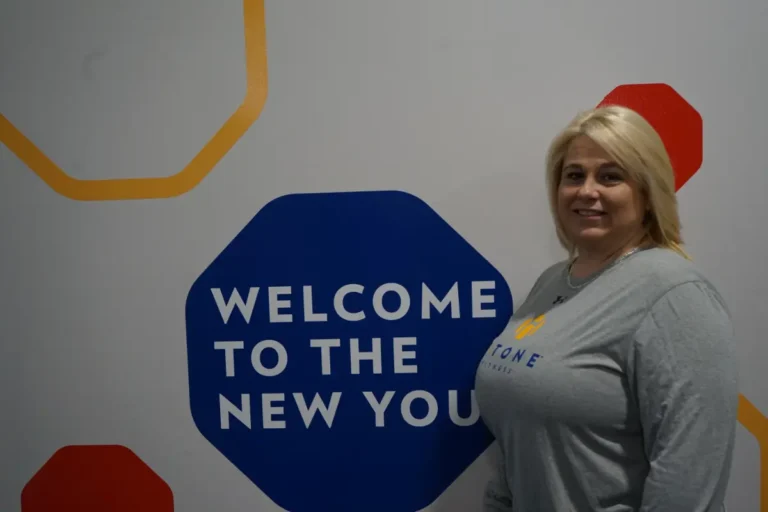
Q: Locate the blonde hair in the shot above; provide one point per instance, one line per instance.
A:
(636, 146)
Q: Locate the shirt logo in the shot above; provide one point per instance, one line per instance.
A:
(529, 327)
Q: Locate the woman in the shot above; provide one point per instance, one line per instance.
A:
(614, 386)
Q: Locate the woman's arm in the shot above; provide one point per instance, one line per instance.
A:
(684, 374)
(496, 496)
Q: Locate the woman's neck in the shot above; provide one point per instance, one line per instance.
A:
(589, 261)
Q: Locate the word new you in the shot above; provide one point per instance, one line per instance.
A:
(272, 409)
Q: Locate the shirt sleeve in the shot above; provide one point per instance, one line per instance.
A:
(496, 495)
(684, 374)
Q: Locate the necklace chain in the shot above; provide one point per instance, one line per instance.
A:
(596, 274)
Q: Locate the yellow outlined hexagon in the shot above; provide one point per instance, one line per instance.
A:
(757, 424)
(191, 175)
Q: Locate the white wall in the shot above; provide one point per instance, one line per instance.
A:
(453, 102)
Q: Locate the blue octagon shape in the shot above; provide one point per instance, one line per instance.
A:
(378, 414)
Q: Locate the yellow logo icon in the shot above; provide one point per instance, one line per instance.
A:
(197, 169)
(529, 327)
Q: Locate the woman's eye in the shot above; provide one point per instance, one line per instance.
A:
(572, 175)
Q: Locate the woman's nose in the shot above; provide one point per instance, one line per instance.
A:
(588, 188)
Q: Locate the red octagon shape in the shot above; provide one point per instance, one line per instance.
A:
(96, 478)
(677, 122)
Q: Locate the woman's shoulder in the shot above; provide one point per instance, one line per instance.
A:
(659, 271)
(550, 273)
(664, 266)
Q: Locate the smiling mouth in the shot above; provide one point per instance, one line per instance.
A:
(589, 213)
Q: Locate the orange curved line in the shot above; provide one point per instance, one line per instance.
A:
(757, 424)
(197, 169)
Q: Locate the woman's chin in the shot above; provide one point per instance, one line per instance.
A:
(589, 236)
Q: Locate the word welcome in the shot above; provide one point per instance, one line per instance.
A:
(279, 302)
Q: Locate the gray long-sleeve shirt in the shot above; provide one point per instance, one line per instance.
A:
(620, 396)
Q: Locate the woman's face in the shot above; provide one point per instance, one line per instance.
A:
(600, 207)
